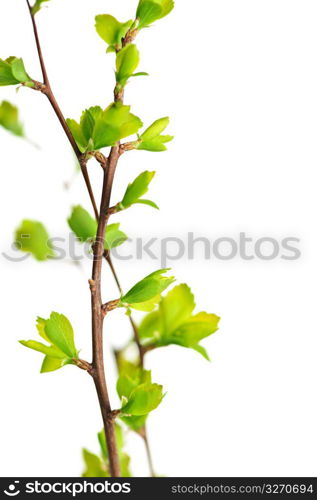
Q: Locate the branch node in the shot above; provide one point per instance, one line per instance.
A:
(109, 306)
(113, 415)
(128, 146)
(101, 158)
(83, 365)
(92, 285)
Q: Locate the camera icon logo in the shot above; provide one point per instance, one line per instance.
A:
(12, 490)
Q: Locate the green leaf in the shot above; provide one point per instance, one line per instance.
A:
(147, 202)
(125, 465)
(103, 444)
(114, 237)
(174, 323)
(55, 357)
(135, 388)
(144, 399)
(152, 140)
(60, 332)
(98, 129)
(37, 6)
(78, 134)
(135, 423)
(40, 326)
(155, 145)
(149, 11)
(131, 376)
(44, 349)
(155, 129)
(148, 305)
(84, 227)
(127, 62)
(94, 466)
(177, 307)
(82, 224)
(99, 466)
(6, 76)
(137, 189)
(12, 72)
(148, 288)
(195, 329)
(18, 70)
(9, 119)
(115, 123)
(111, 30)
(32, 237)
(52, 364)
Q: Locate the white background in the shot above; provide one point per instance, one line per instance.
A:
(239, 80)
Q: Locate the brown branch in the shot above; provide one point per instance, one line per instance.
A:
(142, 351)
(97, 367)
(98, 315)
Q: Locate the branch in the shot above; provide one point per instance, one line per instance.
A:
(97, 370)
(142, 351)
(98, 315)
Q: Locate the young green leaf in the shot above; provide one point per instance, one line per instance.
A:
(127, 62)
(114, 236)
(111, 30)
(37, 6)
(55, 357)
(60, 332)
(135, 423)
(155, 129)
(131, 376)
(174, 323)
(44, 349)
(9, 119)
(82, 224)
(32, 237)
(99, 466)
(144, 399)
(84, 227)
(94, 466)
(152, 140)
(156, 145)
(99, 129)
(149, 11)
(12, 72)
(137, 189)
(115, 123)
(103, 443)
(148, 288)
(52, 364)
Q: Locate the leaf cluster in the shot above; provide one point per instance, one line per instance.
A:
(138, 394)
(12, 72)
(84, 227)
(152, 139)
(136, 190)
(102, 128)
(174, 322)
(60, 349)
